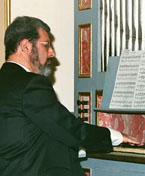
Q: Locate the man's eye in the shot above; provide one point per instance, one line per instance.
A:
(47, 46)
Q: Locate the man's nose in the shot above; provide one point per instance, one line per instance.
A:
(51, 52)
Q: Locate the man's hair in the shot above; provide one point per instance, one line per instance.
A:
(22, 28)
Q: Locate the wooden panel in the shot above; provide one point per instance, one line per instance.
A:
(4, 22)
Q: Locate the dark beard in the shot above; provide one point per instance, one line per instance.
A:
(34, 58)
(45, 70)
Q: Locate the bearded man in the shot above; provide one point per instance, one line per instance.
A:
(38, 135)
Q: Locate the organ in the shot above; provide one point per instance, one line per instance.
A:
(102, 30)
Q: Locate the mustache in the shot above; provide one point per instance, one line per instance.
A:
(49, 61)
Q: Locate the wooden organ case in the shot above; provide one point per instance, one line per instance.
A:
(90, 84)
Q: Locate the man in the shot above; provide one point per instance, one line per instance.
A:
(38, 135)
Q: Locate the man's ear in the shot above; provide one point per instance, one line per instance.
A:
(26, 46)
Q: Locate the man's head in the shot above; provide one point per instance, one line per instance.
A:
(28, 37)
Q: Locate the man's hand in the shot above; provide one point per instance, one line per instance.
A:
(131, 140)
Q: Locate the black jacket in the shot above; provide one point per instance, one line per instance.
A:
(37, 133)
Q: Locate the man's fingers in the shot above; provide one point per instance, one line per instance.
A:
(131, 140)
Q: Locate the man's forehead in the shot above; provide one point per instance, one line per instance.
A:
(44, 36)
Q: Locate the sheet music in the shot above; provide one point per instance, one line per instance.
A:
(129, 88)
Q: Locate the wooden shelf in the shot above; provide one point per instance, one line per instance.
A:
(120, 111)
(119, 156)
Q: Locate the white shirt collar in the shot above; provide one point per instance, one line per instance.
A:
(25, 68)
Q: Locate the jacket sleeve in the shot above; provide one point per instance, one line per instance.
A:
(41, 106)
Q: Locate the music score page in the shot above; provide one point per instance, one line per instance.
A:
(129, 88)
